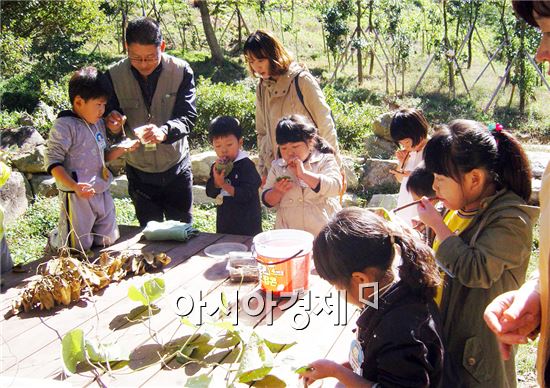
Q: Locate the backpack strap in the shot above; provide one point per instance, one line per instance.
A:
(301, 95)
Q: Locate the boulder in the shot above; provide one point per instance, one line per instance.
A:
(25, 120)
(387, 201)
(352, 178)
(539, 161)
(350, 199)
(535, 191)
(30, 160)
(13, 197)
(119, 187)
(199, 195)
(43, 185)
(378, 147)
(200, 164)
(24, 137)
(45, 111)
(381, 125)
(377, 178)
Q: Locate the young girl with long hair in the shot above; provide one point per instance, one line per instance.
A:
(303, 185)
(483, 243)
(398, 341)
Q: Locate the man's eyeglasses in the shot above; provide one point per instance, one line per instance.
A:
(144, 60)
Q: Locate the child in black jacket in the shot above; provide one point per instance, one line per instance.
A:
(392, 276)
(234, 181)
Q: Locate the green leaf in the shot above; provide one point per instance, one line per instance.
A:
(257, 360)
(200, 381)
(303, 369)
(270, 381)
(153, 289)
(184, 354)
(150, 291)
(111, 352)
(72, 349)
(187, 322)
(135, 295)
(277, 348)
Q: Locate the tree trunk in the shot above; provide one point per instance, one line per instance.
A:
(450, 66)
(371, 30)
(215, 49)
(359, 54)
(124, 25)
(522, 70)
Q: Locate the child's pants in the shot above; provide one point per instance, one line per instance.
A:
(84, 222)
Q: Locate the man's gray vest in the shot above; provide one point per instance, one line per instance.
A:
(132, 104)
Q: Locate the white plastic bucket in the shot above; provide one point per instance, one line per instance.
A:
(284, 257)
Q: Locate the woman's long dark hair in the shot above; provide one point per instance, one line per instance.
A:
(464, 145)
(356, 239)
(524, 9)
(295, 128)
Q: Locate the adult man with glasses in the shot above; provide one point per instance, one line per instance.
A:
(155, 94)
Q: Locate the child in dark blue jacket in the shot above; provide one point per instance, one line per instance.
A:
(234, 181)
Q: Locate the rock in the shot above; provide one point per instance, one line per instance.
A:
(26, 120)
(200, 164)
(377, 178)
(45, 111)
(30, 160)
(377, 147)
(43, 185)
(119, 187)
(381, 125)
(387, 201)
(25, 138)
(539, 161)
(535, 191)
(199, 195)
(13, 197)
(352, 178)
(350, 199)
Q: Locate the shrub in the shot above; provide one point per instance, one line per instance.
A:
(353, 120)
(215, 99)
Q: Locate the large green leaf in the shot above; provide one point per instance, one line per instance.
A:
(72, 349)
(111, 352)
(257, 360)
(200, 381)
(150, 291)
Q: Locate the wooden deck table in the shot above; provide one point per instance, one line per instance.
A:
(319, 321)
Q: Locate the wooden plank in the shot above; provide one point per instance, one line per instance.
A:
(181, 274)
(210, 275)
(66, 319)
(13, 283)
(278, 332)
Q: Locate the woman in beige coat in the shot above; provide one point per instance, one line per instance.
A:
(282, 81)
(302, 185)
(516, 315)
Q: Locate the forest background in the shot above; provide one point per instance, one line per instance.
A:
(452, 58)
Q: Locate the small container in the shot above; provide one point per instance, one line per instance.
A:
(242, 267)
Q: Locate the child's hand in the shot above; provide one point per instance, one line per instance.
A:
(218, 176)
(115, 121)
(283, 186)
(319, 370)
(401, 155)
(400, 174)
(297, 167)
(428, 213)
(84, 190)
